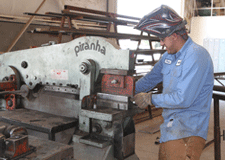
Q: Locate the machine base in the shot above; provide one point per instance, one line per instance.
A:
(49, 150)
(87, 152)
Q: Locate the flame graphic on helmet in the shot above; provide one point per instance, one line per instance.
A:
(160, 22)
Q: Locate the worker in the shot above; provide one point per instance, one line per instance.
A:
(186, 72)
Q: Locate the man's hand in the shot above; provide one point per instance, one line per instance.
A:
(143, 99)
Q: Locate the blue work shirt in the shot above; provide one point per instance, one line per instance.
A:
(188, 81)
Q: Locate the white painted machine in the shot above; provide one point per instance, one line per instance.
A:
(76, 93)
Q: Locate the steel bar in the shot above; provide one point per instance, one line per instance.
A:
(219, 81)
(61, 26)
(219, 88)
(60, 16)
(88, 16)
(43, 15)
(149, 52)
(99, 12)
(217, 129)
(13, 92)
(219, 96)
(96, 33)
(151, 63)
(219, 74)
(107, 6)
(217, 140)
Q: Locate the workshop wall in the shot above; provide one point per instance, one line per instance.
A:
(16, 8)
(207, 27)
(209, 32)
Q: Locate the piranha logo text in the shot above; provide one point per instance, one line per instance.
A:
(86, 46)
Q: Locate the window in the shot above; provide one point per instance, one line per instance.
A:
(210, 8)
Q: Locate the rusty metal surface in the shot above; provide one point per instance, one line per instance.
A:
(120, 85)
(16, 146)
(128, 145)
(38, 121)
(49, 150)
(9, 85)
(14, 142)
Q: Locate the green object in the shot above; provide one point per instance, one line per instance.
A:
(205, 12)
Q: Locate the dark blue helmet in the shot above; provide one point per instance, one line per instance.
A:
(161, 22)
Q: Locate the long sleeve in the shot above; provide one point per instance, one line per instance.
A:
(151, 79)
(186, 82)
(187, 93)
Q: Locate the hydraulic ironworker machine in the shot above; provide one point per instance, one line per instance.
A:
(75, 96)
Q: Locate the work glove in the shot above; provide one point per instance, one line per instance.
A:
(142, 100)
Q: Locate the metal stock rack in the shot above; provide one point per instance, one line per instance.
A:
(77, 22)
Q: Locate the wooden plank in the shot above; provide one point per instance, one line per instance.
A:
(24, 28)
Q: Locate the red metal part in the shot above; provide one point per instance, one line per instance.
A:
(10, 85)
(17, 145)
(118, 84)
(7, 85)
(89, 101)
(10, 101)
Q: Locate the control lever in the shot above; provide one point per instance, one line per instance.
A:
(24, 91)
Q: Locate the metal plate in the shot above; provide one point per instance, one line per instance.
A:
(96, 141)
(38, 121)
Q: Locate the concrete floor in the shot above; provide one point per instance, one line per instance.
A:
(146, 149)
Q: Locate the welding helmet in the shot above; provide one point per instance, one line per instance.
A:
(162, 22)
